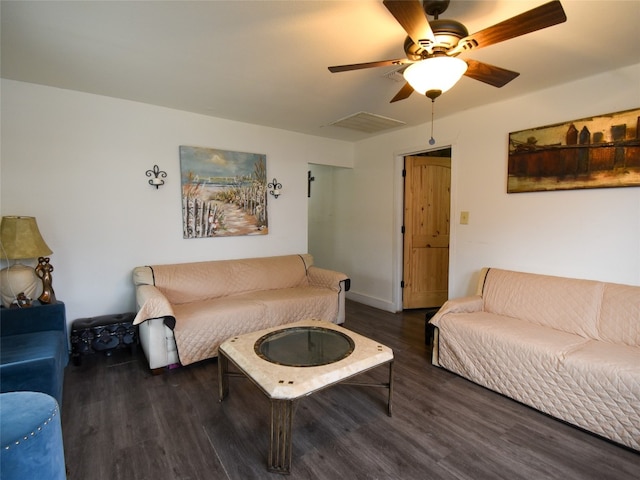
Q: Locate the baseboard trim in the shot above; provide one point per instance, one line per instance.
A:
(371, 301)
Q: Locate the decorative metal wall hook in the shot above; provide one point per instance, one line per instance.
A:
(275, 188)
(155, 175)
(310, 179)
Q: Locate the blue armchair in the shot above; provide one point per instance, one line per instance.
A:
(34, 349)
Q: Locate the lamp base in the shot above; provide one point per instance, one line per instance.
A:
(15, 280)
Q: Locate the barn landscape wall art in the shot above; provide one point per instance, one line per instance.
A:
(223, 193)
(594, 152)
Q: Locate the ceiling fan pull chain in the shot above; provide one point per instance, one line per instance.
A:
(432, 140)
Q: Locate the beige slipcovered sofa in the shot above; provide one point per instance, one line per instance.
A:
(567, 347)
(185, 311)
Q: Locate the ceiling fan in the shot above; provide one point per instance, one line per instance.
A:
(432, 46)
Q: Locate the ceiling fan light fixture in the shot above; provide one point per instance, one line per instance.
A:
(435, 73)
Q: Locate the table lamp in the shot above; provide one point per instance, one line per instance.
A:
(20, 239)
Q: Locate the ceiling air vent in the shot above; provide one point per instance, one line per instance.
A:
(395, 75)
(367, 122)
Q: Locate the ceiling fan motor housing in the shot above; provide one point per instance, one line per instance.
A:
(447, 32)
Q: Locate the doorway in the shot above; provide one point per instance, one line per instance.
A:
(324, 214)
(426, 229)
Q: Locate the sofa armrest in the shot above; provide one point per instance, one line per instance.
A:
(151, 304)
(143, 276)
(336, 281)
(38, 318)
(458, 305)
(321, 277)
(158, 344)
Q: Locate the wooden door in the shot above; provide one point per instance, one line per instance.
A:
(427, 202)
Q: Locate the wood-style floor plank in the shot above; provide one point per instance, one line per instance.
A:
(122, 423)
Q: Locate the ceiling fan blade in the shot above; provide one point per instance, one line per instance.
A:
(359, 66)
(538, 18)
(404, 92)
(410, 15)
(496, 76)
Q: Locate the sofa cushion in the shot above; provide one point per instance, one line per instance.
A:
(489, 349)
(619, 320)
(565, 304)
(192, 282)
(202, 326)
(604, 379)
(298, 303)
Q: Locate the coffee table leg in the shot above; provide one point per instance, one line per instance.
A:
(390, 388)
(280, 443)
(223, 378)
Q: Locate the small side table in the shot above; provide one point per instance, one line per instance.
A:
(428, 328)
(103, 334)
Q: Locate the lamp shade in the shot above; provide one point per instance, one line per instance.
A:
(20, 238)
(435, 73)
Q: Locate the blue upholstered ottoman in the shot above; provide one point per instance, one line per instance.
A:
(30, 437)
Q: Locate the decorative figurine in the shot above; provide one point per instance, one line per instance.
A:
(43, 270)
(21, 301)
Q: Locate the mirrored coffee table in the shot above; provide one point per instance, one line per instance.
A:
(293, 361)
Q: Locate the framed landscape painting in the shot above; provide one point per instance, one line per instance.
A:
(223, 193)
(594, 152)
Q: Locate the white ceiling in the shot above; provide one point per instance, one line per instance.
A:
(265, 62)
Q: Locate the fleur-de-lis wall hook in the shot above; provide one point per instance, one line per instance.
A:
(157, 176)
(275, 188)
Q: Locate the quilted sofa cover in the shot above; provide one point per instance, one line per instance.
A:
(185, 311)
(567, 347)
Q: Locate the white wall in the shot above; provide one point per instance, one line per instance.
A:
(77, 163)
(591, 234)
(324, 214)
(321, 218)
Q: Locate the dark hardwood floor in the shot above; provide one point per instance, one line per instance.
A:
(121, 422)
